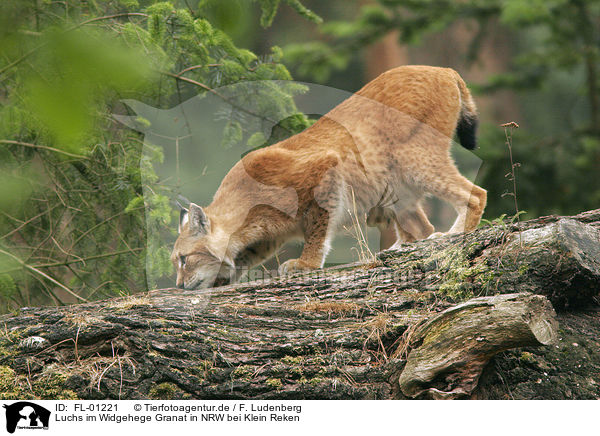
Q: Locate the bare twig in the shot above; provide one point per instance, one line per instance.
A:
(195, 67)
(24, 223)
(42, 147)
(46, 276)
(54, 346)
(218, 94)
(512, 176)
(508, 129)
(76, 340)
(83, 259)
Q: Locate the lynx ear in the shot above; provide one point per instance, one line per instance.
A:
(183, 218)
(197, 220)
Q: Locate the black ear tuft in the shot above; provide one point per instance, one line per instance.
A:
(182, 202)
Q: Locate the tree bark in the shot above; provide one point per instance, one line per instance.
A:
(454, 346)
(420, 322)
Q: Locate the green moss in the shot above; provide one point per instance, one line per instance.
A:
(316, 381)
(460, 277)
(318, 360)
(274, 383)
(163, 391)
(296, 370)
(294, 365)
(527, 357)
(201, 371)
(8, 344)
(6, 351)
(212, 345)
(290, 360)
(52, 388)
(45, 387)
(243, 372)
(9, 386)
(457, 291)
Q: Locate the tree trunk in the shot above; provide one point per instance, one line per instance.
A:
(421, 322)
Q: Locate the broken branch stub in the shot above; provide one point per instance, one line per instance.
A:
(450, 350)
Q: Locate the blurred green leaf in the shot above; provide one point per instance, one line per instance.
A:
(73, 74)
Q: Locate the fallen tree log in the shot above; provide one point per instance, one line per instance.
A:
(422, 321)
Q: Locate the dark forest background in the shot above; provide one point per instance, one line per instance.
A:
(84, 207)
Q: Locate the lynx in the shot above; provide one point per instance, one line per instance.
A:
(379, 153)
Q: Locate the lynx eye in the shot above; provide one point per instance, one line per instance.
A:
(182, 261)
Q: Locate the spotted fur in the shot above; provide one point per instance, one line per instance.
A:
(379, 153)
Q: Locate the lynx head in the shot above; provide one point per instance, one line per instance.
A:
(196, 254)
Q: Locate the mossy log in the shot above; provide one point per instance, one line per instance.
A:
(450, 350)
(422, 321)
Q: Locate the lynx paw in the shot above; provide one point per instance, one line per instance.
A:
(294, 265)
(435, 235)
(397, 245)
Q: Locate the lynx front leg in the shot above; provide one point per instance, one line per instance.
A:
(413, 225)
(315, 228)
(254, 254)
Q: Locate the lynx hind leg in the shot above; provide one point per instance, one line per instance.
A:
(468, 199)
(392, 235)
(400, 227)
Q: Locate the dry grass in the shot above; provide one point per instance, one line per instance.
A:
(132, 301)
(404, 343)
(356, 231)
(378, 326)
(92, 368)
(330, 307)
(80, 319)
(375, 263)
(236, 307)
(100, 365)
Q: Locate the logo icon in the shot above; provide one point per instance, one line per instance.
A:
(26, 415)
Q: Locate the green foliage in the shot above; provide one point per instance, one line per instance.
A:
(518, 13)
(77, 220)
(503, 220)
(269, 10)
(8, 290)
(316, 59)
(80, 69)
(232, 134)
